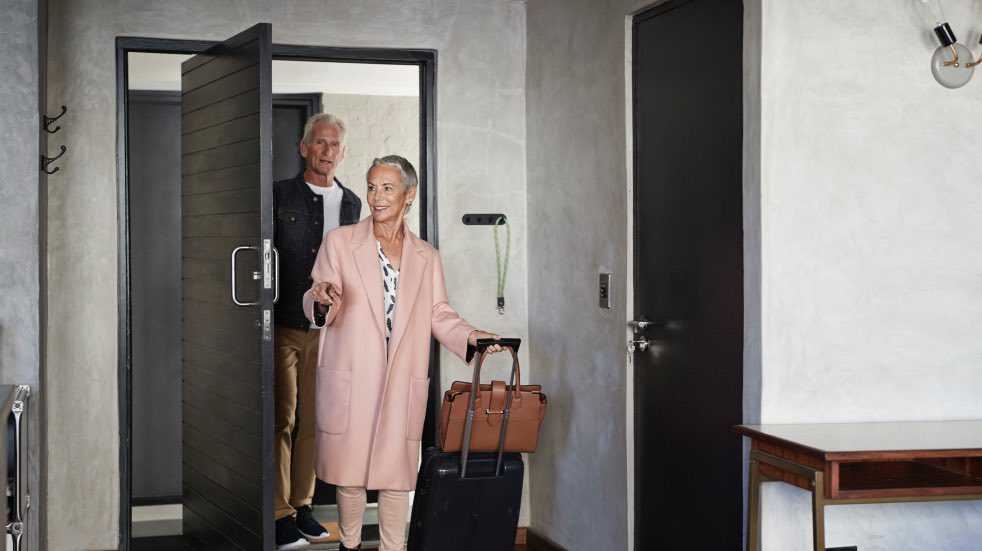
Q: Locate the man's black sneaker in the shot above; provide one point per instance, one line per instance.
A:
(308, 525)
(288, 536)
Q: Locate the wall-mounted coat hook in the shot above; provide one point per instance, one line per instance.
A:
(48, 120)
(483, 219)
(45, 161)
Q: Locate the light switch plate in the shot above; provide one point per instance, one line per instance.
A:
(605, 291)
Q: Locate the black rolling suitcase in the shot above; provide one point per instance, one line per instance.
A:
(477, 511)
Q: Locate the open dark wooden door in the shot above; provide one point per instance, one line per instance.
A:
(228, 289)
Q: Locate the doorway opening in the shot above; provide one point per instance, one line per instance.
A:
(364, 87)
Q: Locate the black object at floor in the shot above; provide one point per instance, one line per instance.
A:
(160, 543)
(478, 513)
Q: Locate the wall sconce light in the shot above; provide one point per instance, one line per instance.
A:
(952, 64)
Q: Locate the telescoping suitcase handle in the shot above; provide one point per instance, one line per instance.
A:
(512, 345)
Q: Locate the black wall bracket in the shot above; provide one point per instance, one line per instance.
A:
(483, 219)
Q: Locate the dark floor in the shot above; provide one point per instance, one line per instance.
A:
(176, 543)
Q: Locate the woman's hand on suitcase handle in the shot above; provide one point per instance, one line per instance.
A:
(478, 334)
(325, 295)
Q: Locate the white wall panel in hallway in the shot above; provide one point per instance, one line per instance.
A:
(870, 233)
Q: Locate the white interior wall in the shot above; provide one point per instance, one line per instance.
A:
(480, 168)
(377, 126)
(870, 236)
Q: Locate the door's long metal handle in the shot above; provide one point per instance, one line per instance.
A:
(666, 325)
(235, 298)
(276, 275)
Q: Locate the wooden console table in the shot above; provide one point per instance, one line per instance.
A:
(842, 463)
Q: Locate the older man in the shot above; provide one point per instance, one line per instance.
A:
(306, 208)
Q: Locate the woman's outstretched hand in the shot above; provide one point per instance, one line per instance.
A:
(478, 334)
(325, 295)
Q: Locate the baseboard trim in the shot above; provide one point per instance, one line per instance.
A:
(537, 542)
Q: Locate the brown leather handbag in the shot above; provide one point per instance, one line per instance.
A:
(492, 417)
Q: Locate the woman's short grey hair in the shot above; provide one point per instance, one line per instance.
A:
(323, 118)
(405, 168)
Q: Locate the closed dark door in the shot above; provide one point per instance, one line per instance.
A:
(688, 274)
(227, 359)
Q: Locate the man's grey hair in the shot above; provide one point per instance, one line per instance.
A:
(405, 168)
(324, 118)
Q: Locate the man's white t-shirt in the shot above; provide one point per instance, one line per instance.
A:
(331, 197)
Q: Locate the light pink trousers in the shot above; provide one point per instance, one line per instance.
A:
(392, 508)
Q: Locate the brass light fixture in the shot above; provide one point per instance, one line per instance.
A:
(951, 63)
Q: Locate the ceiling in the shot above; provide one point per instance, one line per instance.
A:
(150, 71)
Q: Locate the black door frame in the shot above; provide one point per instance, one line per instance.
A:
(425, 59)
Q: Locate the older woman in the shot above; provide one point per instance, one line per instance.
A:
(380, 295)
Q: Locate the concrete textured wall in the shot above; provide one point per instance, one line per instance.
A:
(751, 211)
(577, 210)
(480, 168)
(20, 224)
(19, 195)
(870, 237)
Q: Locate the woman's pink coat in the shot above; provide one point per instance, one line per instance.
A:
(370, 408)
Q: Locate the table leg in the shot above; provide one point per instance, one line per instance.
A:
(753, 507)
(818, 511)
(817, 483)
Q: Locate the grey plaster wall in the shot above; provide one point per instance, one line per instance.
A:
(20, 225)
(577, 209)
(19, 194)
(752, 260)
(480, 168)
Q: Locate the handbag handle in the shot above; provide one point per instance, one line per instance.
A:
(516, 376)
(482, 346)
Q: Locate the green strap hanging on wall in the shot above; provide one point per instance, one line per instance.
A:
(502, 268)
